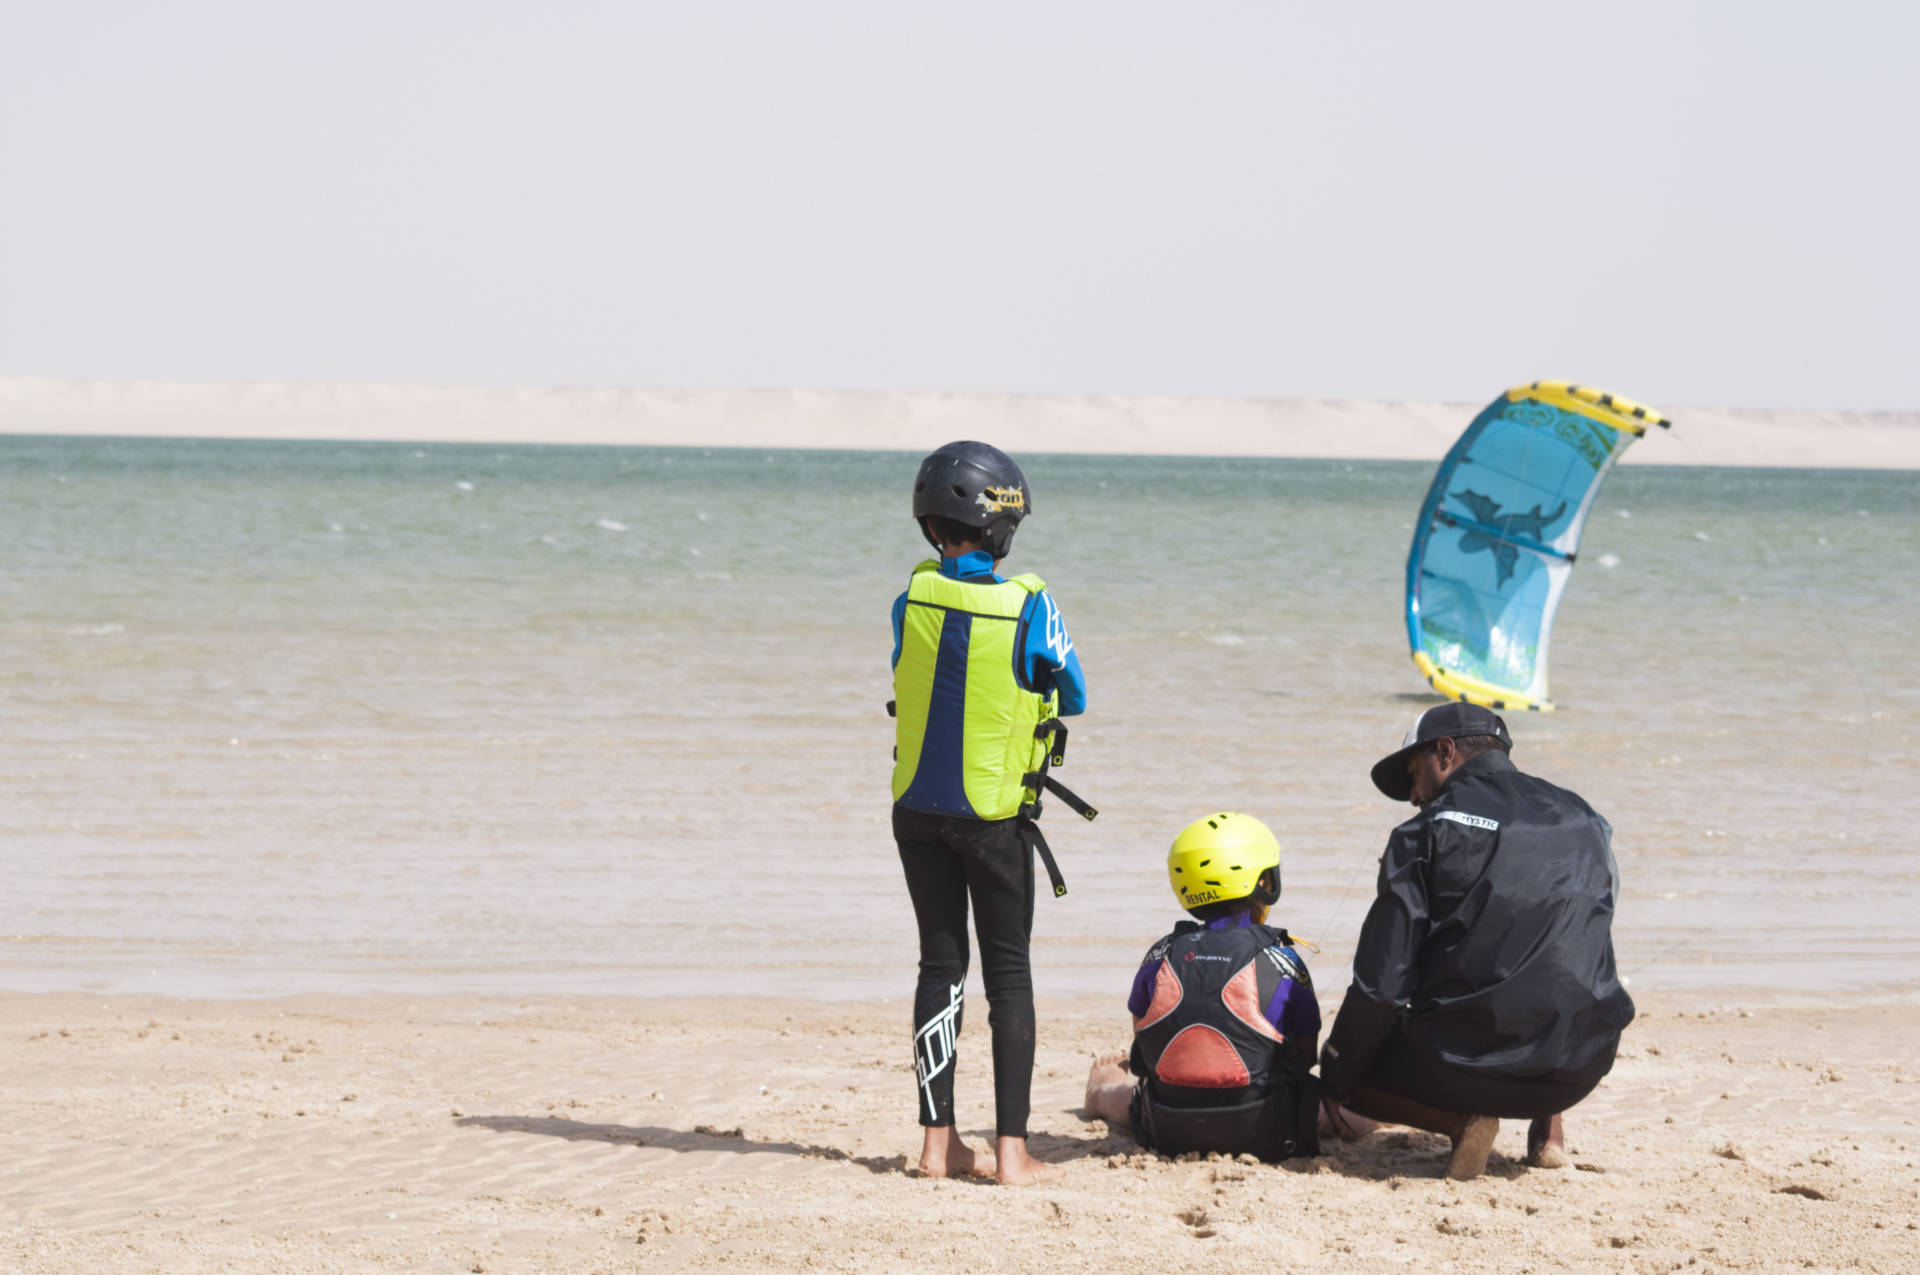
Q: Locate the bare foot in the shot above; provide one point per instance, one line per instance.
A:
(1344, 1123)
(1547, 1143)
(1019, 1168)
(944, 1155)
(1109, 1089)
(1471, 1147)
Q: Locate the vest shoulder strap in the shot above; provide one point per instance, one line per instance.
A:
(993, 599)
(1028, 581)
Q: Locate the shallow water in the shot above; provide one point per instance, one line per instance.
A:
(309, 716)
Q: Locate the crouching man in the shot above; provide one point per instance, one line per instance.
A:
(1483, 983)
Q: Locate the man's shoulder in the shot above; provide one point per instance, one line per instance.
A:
(1459, 808)
(1559, 791)
(1525, 786)
(1506, 796)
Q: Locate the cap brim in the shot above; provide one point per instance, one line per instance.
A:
(1390, 773)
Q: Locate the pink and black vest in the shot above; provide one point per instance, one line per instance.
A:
(1214, 1073)
(1205, 1039)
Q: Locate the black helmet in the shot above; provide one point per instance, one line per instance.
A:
(977, 486)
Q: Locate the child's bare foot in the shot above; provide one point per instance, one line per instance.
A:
(1109, 1089)
(944, 1155)
(1018, 1168)
(1343, 1122)
(1547, 1143)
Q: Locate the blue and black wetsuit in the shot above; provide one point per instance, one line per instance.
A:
(951, 860)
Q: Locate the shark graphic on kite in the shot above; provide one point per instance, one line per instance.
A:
(1485, 511)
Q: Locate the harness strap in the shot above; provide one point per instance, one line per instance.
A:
(1041, 779)
(1037, 840)
(1054, 731)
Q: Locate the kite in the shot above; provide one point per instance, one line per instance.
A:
(1497, 536)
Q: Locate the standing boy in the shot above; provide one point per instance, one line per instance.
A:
(983, 670)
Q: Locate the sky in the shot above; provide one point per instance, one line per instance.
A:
(1690, 204)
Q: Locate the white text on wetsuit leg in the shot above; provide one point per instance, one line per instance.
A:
(933, 1045)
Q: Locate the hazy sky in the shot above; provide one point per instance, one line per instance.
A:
(1686, 203)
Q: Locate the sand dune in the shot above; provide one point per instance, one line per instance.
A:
(1140, 424)
(456, 1134)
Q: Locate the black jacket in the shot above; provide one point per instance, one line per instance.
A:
(1489, 942)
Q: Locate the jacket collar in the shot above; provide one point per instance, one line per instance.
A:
(1232, 921)
(969, 565)
(1490, 762)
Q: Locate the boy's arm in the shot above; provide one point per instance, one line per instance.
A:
(1302, 1025)
(899, 626)
(1049, 661)
(1140, 999)
(1293, 1008)
(1142, 994)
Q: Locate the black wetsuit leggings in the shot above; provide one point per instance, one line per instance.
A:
(947, 860)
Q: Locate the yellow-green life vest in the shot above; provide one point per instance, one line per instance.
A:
(964, 737)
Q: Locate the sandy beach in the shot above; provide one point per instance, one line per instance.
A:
(561, 1134)
(855, 420)
(277, 726)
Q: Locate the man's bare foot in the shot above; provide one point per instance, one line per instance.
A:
(1471, 1147)
(944, 1155)
(1547, 1143)
(1109, 1089)
(1018, 1168)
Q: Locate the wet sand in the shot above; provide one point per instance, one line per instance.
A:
(565, 1134)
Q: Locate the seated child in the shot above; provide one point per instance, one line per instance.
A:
(1225, 1021)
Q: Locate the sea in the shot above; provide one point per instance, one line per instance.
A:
(291, 717)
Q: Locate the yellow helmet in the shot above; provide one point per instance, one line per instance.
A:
(1222, 857)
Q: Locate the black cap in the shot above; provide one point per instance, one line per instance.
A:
(1454, 720)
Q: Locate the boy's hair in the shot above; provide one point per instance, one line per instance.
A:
(951, 532)
(1228, 907)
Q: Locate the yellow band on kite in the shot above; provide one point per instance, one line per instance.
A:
(1609, 409)
(1474, 691)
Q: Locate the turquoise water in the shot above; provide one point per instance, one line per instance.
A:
(311, 716)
